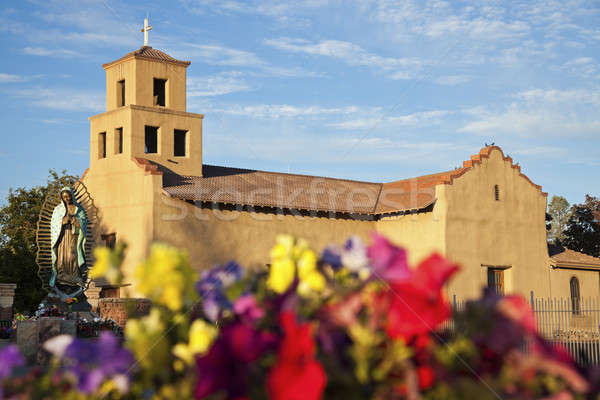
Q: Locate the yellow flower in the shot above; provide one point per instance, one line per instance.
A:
(146, 338)
(289, 255)
(281, 275)
(202, 336)
(167, 278)
(108, 264)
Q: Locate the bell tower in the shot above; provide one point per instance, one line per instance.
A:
(146, 115)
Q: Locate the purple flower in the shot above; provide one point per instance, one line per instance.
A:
(332, 256)
(353, 255)
(10, 357)
(212, 285)
(94, 362)
(389, 261)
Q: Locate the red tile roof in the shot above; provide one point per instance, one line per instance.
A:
(565, 258)
(148, 53)
(303, 192)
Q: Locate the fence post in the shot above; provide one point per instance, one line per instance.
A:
(531, 300)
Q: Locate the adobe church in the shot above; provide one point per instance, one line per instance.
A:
(147, 179)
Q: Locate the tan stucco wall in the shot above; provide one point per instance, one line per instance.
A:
(167, 121)
(212, 237)
(108, 122)
(589, 282)
(420, 234)
(124, 196)
(139, 85)
(133, 120)
(509, 232)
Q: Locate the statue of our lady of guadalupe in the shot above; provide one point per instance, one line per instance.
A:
(67, 239)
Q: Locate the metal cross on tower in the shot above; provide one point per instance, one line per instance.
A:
(145, 30)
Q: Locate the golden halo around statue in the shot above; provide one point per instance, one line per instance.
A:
(44, 231)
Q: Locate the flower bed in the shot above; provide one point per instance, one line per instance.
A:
(351, 322)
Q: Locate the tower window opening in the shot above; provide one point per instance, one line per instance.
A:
(159, 91)
(179, 143)
(151, 133)
(102, 145)
(121, 93)
(118, 140)
(497, 192)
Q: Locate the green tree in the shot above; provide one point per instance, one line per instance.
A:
(18, 249)
(558, 208)
(583, 228)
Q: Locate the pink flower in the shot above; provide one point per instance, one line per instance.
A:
(246, 307)
(389, 261)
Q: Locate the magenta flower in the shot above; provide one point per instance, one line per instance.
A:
(247, 308)
(224, 367)
(389, 261)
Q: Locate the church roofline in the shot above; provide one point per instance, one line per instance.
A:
(149, 54)
(300, 192)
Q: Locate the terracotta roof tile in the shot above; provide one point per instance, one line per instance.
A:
(303, 192)
(562, 256)
(148, 53)
(272, 189)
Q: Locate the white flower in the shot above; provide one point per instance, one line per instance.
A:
(58, 344)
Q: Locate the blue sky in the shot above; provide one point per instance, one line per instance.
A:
(373, 90)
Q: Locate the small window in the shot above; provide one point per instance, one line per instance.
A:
(497, 192)
(102, 145)
(179, 143)
(118, 140)
(575, 296)
(159, 91)
(121, 93)
(151, 140)
(496, 280)
(110, 240)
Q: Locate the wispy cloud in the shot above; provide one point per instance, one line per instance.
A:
(452, 80)
(351, 54)
(216, 85)
(64, 99)
(276, 111)
(216, 54)
(583, 67)
(11, 78)
(418, 118)
(540, 113)
(43, 52)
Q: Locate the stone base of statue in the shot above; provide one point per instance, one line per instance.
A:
(31, 335)
(67, 299)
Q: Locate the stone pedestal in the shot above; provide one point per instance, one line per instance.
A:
(93, 295)
(31, 335)
(121, 309)
(7, 295)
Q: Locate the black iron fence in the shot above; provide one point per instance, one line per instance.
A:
(572, 323)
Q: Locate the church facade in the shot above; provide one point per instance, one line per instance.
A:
(147, 179)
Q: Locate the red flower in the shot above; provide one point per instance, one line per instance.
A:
(297, 375)
(417, 305)
(426, 376)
